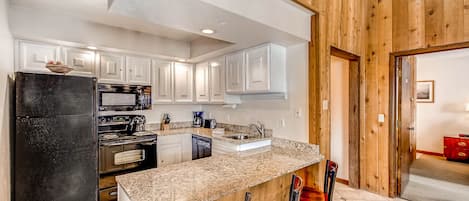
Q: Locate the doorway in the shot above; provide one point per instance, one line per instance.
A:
(345, 115)
(427, 102)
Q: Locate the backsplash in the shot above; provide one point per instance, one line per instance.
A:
(228, 127)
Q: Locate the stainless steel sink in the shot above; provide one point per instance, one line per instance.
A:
(238, 136)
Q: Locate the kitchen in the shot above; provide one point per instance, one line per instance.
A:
(247, 73)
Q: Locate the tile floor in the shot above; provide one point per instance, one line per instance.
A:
(345, 193)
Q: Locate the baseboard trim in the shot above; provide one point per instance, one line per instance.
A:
(342, 181)
(429, 153)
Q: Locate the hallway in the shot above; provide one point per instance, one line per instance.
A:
(434, 178)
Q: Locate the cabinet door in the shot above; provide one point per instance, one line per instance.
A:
(169, 154)
(81, 60)
(162, 87)
(217, 80)
(258, 69)
(111, 68)
(183, 79)
(201, 82)
(138, 70)
(235, 73)
(34, 56)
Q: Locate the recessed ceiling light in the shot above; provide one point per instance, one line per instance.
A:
(92, 47)
(181, 60)
(207, 31)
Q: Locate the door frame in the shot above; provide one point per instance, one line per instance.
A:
(394, 110)
(354, 115)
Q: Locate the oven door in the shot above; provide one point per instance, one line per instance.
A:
(114, 158)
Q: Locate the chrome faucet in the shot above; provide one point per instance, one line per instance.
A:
(260, 128)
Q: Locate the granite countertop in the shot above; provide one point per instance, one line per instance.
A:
(206, 132)
(214, 177)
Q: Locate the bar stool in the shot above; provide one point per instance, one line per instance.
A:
(313, 195)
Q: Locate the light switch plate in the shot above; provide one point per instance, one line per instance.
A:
(325, 105)
(381, 118)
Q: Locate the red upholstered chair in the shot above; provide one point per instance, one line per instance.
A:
(329, 183)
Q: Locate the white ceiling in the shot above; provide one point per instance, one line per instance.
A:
(237, 26)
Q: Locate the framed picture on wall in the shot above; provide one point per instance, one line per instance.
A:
(425, 91)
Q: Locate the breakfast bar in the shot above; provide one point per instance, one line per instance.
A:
(221, 176)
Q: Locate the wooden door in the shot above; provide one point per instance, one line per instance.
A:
(201, 82)
(235, 78)
(138, 70)
(217, 80)
(183, 81)
(406, 120)
(162, 87)
(258, 69)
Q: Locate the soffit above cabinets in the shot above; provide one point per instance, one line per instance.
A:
(182, 21)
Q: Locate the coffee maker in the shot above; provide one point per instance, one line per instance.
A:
(198, 119)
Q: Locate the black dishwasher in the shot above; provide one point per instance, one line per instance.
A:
(201, 147)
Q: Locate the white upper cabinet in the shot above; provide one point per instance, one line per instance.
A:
(138, 70)
(217, 80)
(34, 56)
(111, 68)
(235, 73)
(258, 69)
(183, 82)
(81, 60)
(162, 82)
(202, 93)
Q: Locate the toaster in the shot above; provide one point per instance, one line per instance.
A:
(210, 123)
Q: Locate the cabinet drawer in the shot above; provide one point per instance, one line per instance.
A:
(457, 154)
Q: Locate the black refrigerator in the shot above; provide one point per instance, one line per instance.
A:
(55, 145)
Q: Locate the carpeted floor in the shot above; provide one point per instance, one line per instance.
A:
(434, 178)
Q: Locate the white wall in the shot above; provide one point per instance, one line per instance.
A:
(6, 69)
(445, 117)
(340, 115)
(271, 112)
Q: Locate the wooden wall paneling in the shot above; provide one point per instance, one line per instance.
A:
(466, 20)
(401, 25)
(434, 22)
(334, 29)
(354, 129)
(453, 15)
(416, 16)
(384, 49)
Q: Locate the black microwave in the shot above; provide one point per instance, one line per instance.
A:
(118, 97)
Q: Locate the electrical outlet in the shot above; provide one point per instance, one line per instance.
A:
(228, 118)
(282, 123)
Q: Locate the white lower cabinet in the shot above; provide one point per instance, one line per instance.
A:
(174, 149)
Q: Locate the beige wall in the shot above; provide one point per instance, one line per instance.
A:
(340, 115)
(272, 112)
(446, 116)
(6, 69)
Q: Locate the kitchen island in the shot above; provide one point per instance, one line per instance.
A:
(222, 176)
